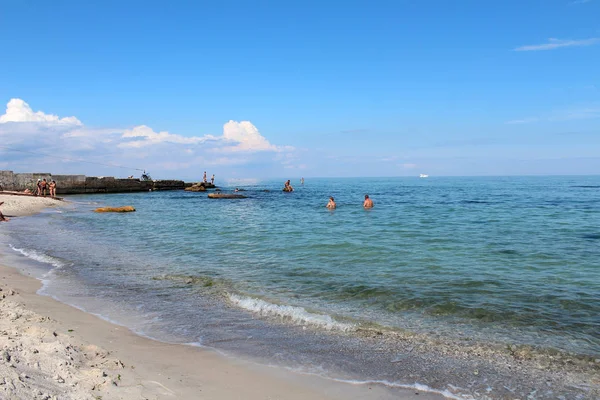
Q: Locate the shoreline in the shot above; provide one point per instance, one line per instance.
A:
(22, 205)
(53, 350)
(87, 356)
(462, 364)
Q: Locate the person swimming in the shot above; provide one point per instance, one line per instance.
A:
(288, 187)
(331, 205)
(368, 202)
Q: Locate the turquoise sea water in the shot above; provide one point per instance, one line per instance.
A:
(494, 260)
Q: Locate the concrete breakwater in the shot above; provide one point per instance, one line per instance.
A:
(80, 184)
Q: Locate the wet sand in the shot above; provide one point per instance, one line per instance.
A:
(50, 350)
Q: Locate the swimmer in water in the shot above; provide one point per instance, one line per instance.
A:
(331, 205)
(368, 202)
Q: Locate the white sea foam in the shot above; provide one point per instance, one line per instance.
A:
(40, 257)
(453, 393)
(295, 315)
(416, 386)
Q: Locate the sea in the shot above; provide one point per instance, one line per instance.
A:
(471, 287)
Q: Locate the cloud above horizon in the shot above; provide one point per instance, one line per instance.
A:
(24, 131)
(19, 111)
(558, 43)
(146, 137)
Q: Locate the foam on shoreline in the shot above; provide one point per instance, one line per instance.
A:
(295, 315)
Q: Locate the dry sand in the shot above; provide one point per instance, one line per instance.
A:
(50, 350)
(20, 205)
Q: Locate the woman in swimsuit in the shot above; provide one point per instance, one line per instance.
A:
(52, 189)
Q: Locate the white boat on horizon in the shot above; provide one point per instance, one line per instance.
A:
(423, 176)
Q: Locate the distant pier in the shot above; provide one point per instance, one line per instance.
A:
(81, 184)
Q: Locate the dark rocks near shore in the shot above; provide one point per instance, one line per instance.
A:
(226, 196)
(195, 188)
(200, 187)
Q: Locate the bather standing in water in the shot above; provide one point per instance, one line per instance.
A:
(288, 187)
(368, 202)
(331, 205)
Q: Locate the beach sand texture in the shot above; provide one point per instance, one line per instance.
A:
(50, 350)
(19, 205)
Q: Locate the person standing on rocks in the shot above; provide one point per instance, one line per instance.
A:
(212, 179)
(204, 177)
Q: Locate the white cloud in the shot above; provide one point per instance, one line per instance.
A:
(30, 137)
(578, 2)
(19, 111)
(237, 137)
(246, 136)
(148, 137)
(409, 166)
(558, 43)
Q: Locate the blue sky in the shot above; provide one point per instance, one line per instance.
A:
(328, 88)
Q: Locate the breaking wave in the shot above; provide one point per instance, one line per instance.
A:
(289, 314)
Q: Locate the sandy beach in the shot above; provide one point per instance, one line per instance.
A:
(18, 205)
(50, 350)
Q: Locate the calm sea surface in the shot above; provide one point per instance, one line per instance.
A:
(504, 260)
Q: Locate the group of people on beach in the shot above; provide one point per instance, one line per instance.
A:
(43, 186)
(368, 203)
(212, 179)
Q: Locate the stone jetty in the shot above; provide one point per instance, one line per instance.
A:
(81, 184)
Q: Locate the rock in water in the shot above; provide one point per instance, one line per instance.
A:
(115, 209)
(196, 188)
(225, 196)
